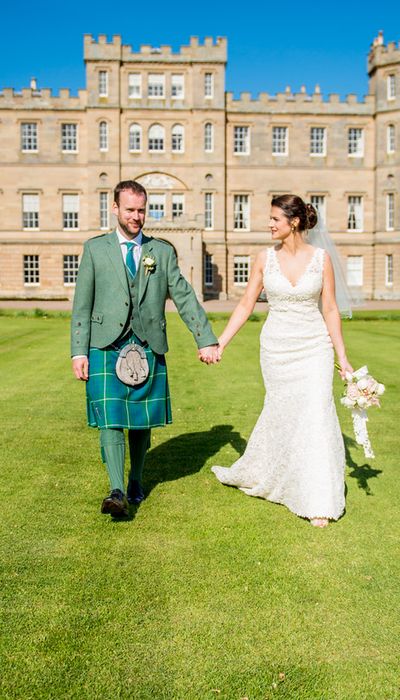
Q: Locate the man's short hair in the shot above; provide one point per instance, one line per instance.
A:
(130, 185)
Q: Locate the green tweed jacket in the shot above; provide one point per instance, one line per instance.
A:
(102, 301)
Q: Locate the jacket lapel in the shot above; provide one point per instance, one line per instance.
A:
(114, 252)
(143, 278)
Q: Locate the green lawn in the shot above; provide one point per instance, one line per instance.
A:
(204, 593)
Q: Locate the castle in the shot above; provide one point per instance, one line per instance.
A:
(210, 164)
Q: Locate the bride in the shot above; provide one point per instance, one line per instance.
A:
(295, 454)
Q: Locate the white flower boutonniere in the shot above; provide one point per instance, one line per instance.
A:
(149, 264)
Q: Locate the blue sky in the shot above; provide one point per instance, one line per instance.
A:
(270, 45)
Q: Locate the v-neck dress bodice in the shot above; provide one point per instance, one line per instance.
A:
(295, 454)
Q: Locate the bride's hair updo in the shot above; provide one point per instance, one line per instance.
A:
(293, 206)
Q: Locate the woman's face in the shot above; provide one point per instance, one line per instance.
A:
(279, 224)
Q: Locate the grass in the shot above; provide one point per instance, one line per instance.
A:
(204, 593)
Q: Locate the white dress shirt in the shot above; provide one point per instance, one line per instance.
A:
(137, 251)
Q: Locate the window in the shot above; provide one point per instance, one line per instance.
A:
(208, 137)
(241, 140)
(391, 87)
(241, 218)
(241, 269)
(135, 138)
(156, 137)
(70, 211)
(208, 210)
(103, 136)
(389, 270)
(208, 85)
(355, 270)
(103, 83)
(318, 201)
(156, 85)
(70, 269)
(29, 136)
(177, 134)
(208, 270)
(69, 137)
(355, 143)
(104, 211)
(391, 138)
(355, 213)
(318, 141)
(31, 269)
(177, 86)
(280, 141)
(134, 86)
(178, 201)
(157, 206)
(30, 211)
(390, 211)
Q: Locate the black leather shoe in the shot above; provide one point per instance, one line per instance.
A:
(135, 493)
(115, 504)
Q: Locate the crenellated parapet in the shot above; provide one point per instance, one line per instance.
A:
(29, 99)
(300, 103)
(382, 55)
(206, 52)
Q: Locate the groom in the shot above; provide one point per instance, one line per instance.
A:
(123, 282)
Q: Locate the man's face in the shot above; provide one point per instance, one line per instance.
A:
(130, 212)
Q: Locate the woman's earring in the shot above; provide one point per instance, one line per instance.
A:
(293, 229)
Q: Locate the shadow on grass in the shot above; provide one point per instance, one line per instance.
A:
(361, 472)
(186, 454)
(183, 455)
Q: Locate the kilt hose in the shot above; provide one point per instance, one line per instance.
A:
(112, 404)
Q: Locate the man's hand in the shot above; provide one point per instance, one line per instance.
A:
(209, 354)
(80, 368)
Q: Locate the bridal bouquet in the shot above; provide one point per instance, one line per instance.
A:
(361, 392)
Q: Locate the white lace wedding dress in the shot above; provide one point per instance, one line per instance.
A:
(295, 454)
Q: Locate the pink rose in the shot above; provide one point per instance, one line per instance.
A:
(353, 392)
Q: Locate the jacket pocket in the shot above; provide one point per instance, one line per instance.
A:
(96, 318)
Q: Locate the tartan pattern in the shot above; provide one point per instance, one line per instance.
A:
(112, 404)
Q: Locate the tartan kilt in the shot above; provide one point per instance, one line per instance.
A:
(112, 404)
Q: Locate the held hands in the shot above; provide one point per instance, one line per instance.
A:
(80, 368)
(210, 354)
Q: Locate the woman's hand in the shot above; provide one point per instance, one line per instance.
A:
(220, 348)
(344, 366)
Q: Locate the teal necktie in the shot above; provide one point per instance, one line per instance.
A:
(130, 260)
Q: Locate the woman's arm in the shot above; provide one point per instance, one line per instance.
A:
(331, 315)
(247, 302)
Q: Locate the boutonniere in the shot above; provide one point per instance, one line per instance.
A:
(149, 264)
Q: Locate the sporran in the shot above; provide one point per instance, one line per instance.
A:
(132, 367)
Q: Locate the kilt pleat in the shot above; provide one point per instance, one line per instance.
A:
(112, 404)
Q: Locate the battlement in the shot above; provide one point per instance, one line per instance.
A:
(299, 102)
(209, 51)
(29, 98)
(382, 55)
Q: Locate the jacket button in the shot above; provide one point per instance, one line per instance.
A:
(122, 325)
(192, 318)
(199, 334)
(126, 303)
(79, 323)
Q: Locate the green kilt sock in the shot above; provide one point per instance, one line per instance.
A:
(139, 443)
(112, 445)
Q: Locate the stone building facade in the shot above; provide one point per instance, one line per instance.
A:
(210, 164)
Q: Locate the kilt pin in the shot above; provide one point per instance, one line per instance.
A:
(112, 307)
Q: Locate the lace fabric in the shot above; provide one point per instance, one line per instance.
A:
(295, 454)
